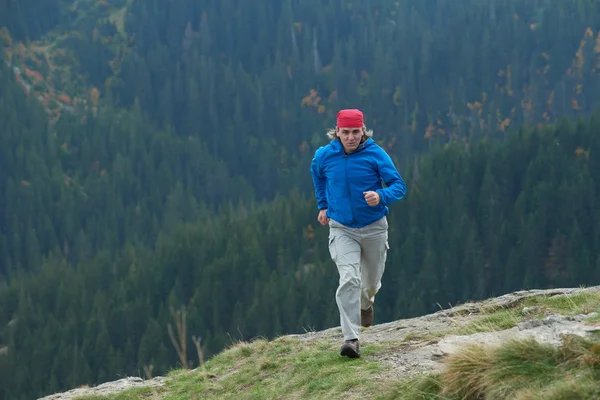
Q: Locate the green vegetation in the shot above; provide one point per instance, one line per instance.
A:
(495, 319)
(521, 370)
(492, 319)
(295, 369)
(269, 369)
(154, 156)
(518, 369)
(581, 303)
(525, 370)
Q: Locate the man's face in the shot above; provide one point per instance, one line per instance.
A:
(350, 137)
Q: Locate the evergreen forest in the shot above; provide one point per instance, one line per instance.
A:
(155, 183)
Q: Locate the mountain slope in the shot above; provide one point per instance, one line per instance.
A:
(463, 75)
(61, 67)
(206, 71)
(490, 217)
(549, 337)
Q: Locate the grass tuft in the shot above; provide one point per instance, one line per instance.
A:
(580, 303)
(523, 369)
(466, 372)
(496, 321)
(420, 387)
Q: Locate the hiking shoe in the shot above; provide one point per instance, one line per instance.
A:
(366, 317)
(350, 348)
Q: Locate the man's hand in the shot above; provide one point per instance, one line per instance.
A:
(372, 198)
(323, 217)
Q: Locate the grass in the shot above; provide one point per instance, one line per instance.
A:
(421, 387)
(519, 370)
(495, 321)
(266, 370)
(500, 318)
(294, 369)
(580, 303)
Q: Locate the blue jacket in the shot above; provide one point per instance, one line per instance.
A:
(341, 179)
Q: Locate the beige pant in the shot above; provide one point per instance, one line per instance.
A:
(360, 255)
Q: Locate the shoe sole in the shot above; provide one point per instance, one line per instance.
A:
(348, 351)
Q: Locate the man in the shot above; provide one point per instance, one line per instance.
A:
(347, 175)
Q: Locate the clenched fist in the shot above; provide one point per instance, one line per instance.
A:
(372, 198)
(323, 217)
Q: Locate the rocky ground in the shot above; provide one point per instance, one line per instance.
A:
(419, 345)
(107, 388)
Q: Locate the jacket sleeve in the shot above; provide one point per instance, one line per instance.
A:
(319, 180)
(396, 187)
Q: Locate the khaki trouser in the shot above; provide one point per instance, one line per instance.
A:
(360, 255)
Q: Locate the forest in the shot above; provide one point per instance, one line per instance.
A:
(154, 166)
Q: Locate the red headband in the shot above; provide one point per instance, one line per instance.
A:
(350, 119)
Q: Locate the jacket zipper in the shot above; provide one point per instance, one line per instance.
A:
(348, 189)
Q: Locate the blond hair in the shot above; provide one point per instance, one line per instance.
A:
(331, 133)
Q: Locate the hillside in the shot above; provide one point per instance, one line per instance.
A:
(523, 345)
(491, 217)
(55, 68)
(422, 79)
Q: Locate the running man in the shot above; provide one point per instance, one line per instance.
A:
(347, 175)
